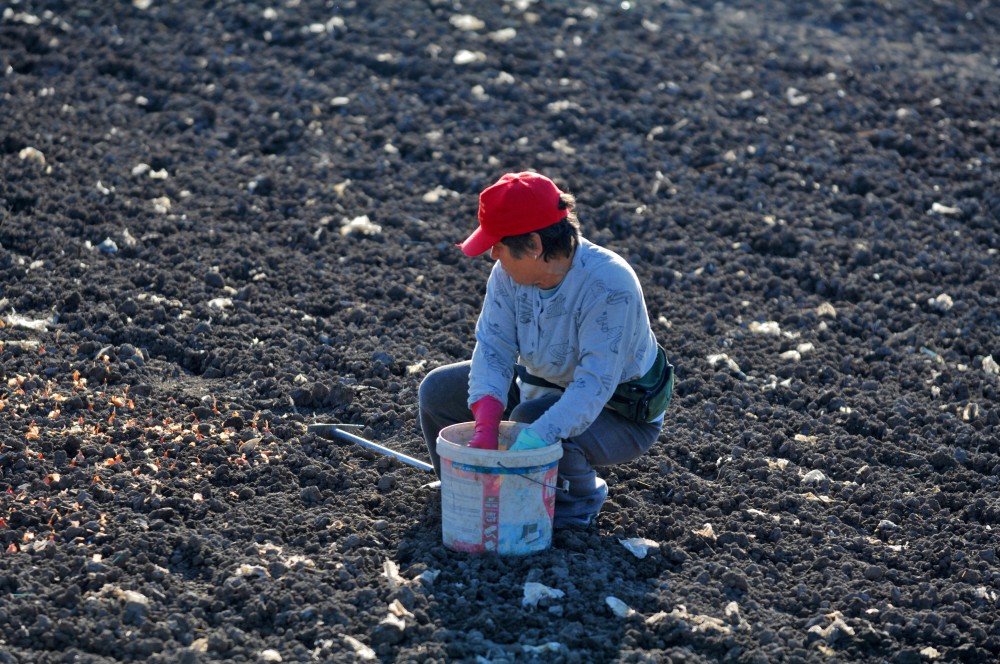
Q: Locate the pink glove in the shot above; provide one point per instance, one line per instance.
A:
(487, 412)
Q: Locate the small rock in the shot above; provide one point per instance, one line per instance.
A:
(390, 631)
(386, 483)
(311, 495)
(942, 458)
(970, 576)
(735, 580)
(874, 573)
(215, 280)
(164, 513)
(134, 613)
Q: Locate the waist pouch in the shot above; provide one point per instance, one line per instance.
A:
(645, 399)
(641, 400)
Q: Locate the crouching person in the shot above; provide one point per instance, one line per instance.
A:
(563, 344)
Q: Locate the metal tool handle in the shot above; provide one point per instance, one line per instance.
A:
(331, 431)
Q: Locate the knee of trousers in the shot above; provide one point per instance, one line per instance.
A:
(575, 469)
(427, 389)
(529, 411)
(578, 485)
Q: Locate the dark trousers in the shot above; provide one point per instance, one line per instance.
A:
(610, 440)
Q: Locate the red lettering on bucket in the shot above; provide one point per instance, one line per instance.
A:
(491, 511)
(549, 490)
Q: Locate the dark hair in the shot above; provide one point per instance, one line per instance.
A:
(559, 239)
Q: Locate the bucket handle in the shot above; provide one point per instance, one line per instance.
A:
(563, 486)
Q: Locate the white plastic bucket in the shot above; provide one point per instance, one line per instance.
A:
(496, 501)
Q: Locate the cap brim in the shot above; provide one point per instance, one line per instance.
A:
(478, 243)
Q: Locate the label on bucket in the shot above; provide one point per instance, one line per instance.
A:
(496, 501)
(466, 513)
(505, 511)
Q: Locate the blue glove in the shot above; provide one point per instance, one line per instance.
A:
(527, 440)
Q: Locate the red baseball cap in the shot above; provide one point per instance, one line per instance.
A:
(515, 204)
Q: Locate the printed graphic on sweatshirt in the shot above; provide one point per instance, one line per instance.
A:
(499, 365)
(613, 333)
(555, 307)
(524, 313)
(559, 354)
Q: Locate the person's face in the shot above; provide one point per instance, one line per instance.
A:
(526, 270)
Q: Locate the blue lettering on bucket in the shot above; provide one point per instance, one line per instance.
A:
(490, 470)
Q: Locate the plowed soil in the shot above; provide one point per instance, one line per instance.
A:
(221, 222)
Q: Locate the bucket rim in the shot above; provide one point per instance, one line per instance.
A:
(447, 449)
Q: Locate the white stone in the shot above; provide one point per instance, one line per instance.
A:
(467, 22)
(33, 155)
(464, 57)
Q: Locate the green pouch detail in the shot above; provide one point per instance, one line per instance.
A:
(645, 399)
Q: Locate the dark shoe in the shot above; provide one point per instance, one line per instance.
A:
(578, 512)
(567, 522)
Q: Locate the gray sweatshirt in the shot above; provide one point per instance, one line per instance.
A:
(587, 335)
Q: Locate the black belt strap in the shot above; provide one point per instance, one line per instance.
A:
(530, 379)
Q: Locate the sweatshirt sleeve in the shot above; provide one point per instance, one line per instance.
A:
(495, 354)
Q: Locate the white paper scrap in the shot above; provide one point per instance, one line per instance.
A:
(814, 477)
(391, 572)
(32, 154)
(707, 531)
(363, 652)
(533, 592)
(428, 576)
(768, 327)
(639, 546)
(618, 607)
(939, 208)
(361, 225)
